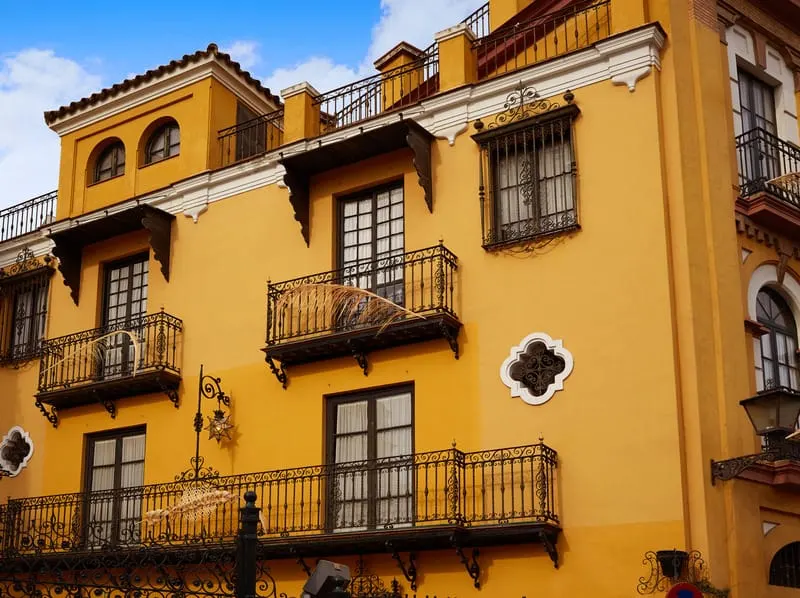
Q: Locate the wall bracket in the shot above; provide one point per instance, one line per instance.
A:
(51, 415)
(278, 372)
(409, 571)
(549, 544)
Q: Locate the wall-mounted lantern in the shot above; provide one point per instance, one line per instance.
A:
(773, 414)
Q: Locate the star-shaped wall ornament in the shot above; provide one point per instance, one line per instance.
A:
(219, 426)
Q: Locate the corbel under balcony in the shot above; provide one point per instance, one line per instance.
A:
(396, 135)
(70, 240)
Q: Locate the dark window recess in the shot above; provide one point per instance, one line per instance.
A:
(372, 242)
(114, 476)
(370, 448)
(23, 314)
(527, 181)
(125, 305)
(776, 351)
(784, 570)
(760, 152)
(110, 162)
(165, 142)
(250, 141)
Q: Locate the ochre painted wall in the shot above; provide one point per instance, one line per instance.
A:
(200, 109)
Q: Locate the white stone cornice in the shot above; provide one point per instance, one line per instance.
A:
(35, 242)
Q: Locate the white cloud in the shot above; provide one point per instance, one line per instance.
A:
(415, 22)
(31, 82)
(320, 71)
(412, 21)
(245, 52)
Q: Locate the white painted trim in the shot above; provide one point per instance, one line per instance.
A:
(7, 465)
(766, 275)
(517, 389)
(152, 90)
(455, 31)
(445, 116)
(297, 88)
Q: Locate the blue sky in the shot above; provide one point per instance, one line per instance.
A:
(52, 53)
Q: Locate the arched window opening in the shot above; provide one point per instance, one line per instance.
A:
(165, 142)
(784, 570)
(776, 350)
(110, 162)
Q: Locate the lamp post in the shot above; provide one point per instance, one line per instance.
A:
(773, 414)
(218, 426)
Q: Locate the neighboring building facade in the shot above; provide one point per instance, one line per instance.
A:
(577, 236)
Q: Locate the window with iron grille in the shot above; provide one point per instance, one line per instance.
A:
(784, 570)
(527, 178)
(23, 313)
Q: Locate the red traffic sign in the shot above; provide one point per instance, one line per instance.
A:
(684, 590)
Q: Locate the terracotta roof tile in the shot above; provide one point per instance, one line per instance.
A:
(109, 92)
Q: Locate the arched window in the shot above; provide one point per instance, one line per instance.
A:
(110, 162)
(163, 143)
(776, 353)
(784, 570)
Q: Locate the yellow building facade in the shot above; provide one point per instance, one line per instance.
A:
(514, 288)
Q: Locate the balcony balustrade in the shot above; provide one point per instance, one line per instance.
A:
(27, 217)
(769, 183)
(421, 501)
(306, 320)
(127, 358)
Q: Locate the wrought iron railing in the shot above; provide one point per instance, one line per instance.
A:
(118, 350)
(542, 38)
(449, 487)
(399, 87)
(251, 138)
(420, 281)
(27, 216)
(478, 21)
(764, 157)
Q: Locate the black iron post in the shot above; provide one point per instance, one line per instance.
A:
(246, 544)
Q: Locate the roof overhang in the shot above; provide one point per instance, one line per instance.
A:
(149, 87)
(395, 135)
(70, 240)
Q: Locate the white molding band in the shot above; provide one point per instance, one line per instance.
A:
(13, 470)
(518, 389)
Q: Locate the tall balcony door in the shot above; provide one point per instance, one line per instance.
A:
(115, 472)
(125, 304)
(372, 241)
(760, 160)
(370, 446)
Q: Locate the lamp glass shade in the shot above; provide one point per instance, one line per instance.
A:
(773, 410)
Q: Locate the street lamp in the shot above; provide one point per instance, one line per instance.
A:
(773, 414)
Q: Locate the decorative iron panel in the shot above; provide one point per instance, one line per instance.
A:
(427, 278)
(251, 138)
(764, 157)
(23, 309)
(27, 216)
(80, 357)
(448, 487)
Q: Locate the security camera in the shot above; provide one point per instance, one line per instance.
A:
(329, 580)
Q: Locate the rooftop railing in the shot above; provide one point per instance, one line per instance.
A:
(251, 138)
(542, 38)
(495, 487)
(28, 216)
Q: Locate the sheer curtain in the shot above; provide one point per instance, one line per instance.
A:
(350, 492)
(393, 448)
(101, 505)
(131, 476)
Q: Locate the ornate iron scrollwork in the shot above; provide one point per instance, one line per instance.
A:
(409, 571)
(774, 450)
(524, 102)
(279, 373)
(50, 415)
(364, 584)
(471, 565)
(680, 567)
(537, 368)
